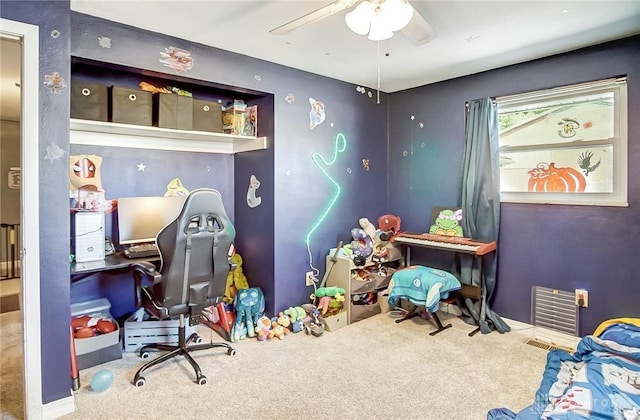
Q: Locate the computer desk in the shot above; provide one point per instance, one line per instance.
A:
(113, 262)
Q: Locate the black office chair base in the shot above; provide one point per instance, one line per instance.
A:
(182, 349)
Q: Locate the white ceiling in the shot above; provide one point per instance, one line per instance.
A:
(471, 36)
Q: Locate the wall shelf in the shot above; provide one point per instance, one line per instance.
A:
(99, 133)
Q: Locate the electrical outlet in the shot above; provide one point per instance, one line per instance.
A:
(582, 298)
(309, 279)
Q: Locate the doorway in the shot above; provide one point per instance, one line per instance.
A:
(27, 38)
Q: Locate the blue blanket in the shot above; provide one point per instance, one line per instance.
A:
(422, 286)
(601, 380)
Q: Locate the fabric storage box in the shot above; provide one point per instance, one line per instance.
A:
(139, 330)
(207, 116)
(359, 285)
(382, 277)
(333, 322)
(172, 111)
(98, 308)
(360, 312)
(131, 106)
(89, 101)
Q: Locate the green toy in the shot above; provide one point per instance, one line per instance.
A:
(447, 223)
(329, 291)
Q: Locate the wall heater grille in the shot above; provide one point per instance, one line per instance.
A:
(554, 309)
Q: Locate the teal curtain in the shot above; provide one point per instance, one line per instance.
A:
(480, 203)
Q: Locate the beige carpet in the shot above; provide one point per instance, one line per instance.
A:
(374, 368)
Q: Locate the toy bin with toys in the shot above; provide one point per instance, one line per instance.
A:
(333, 322)
(96, 333)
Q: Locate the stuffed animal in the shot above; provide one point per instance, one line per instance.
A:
(362, 244)
(280, 325)
(249, 306)
(236, 279)
(263, 328)
(296, 315)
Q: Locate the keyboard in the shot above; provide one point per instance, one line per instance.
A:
(449, 243)
(142, 251)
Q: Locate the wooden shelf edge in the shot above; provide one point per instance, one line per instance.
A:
(99, 133)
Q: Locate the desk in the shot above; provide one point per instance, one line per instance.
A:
(457, 245)
(113, 262)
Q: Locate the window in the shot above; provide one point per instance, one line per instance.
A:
(566, 145)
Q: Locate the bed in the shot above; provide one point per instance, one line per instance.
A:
(600, 380)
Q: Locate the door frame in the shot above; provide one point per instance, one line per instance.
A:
(29, 210)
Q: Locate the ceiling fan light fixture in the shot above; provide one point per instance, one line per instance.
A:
(379, 29)
(396, 13)
(359, 20)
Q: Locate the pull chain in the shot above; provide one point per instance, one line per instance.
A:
(378, 93)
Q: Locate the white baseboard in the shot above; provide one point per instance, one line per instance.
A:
(58, 408)
(527, 330)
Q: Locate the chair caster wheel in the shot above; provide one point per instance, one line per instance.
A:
(202, 380)
(145, 355)
(231, 352)
(140, 382)
(197, 339)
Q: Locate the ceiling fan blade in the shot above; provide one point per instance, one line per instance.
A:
(418, 30)
(314, 16)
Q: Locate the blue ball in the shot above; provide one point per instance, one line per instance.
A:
(101, 380)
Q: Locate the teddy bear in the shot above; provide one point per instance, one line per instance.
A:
(278, 330)
(280, 325)
(263, 328)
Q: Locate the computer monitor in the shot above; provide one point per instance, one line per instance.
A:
(141, 218)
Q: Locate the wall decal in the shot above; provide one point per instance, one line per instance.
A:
(316, 115)
(258, 78)
(141, 167)
(175, 188)
(55, 83)
(55, 34)
(365, 164)
(290, 98)
(361, 90)
(104, 41)
(54, 152)
(420, 125)
(252, 200)
(369, 94)
(177, 59)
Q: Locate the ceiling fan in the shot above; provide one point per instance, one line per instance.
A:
(368, 17)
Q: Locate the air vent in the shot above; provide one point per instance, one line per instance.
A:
(546, 346)
(554, 309)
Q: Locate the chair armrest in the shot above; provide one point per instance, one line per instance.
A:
(143, 270)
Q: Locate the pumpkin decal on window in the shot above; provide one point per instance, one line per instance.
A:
(548, 178)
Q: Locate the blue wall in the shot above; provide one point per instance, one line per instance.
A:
(294, 191)
(555, 246)
(54, 190)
